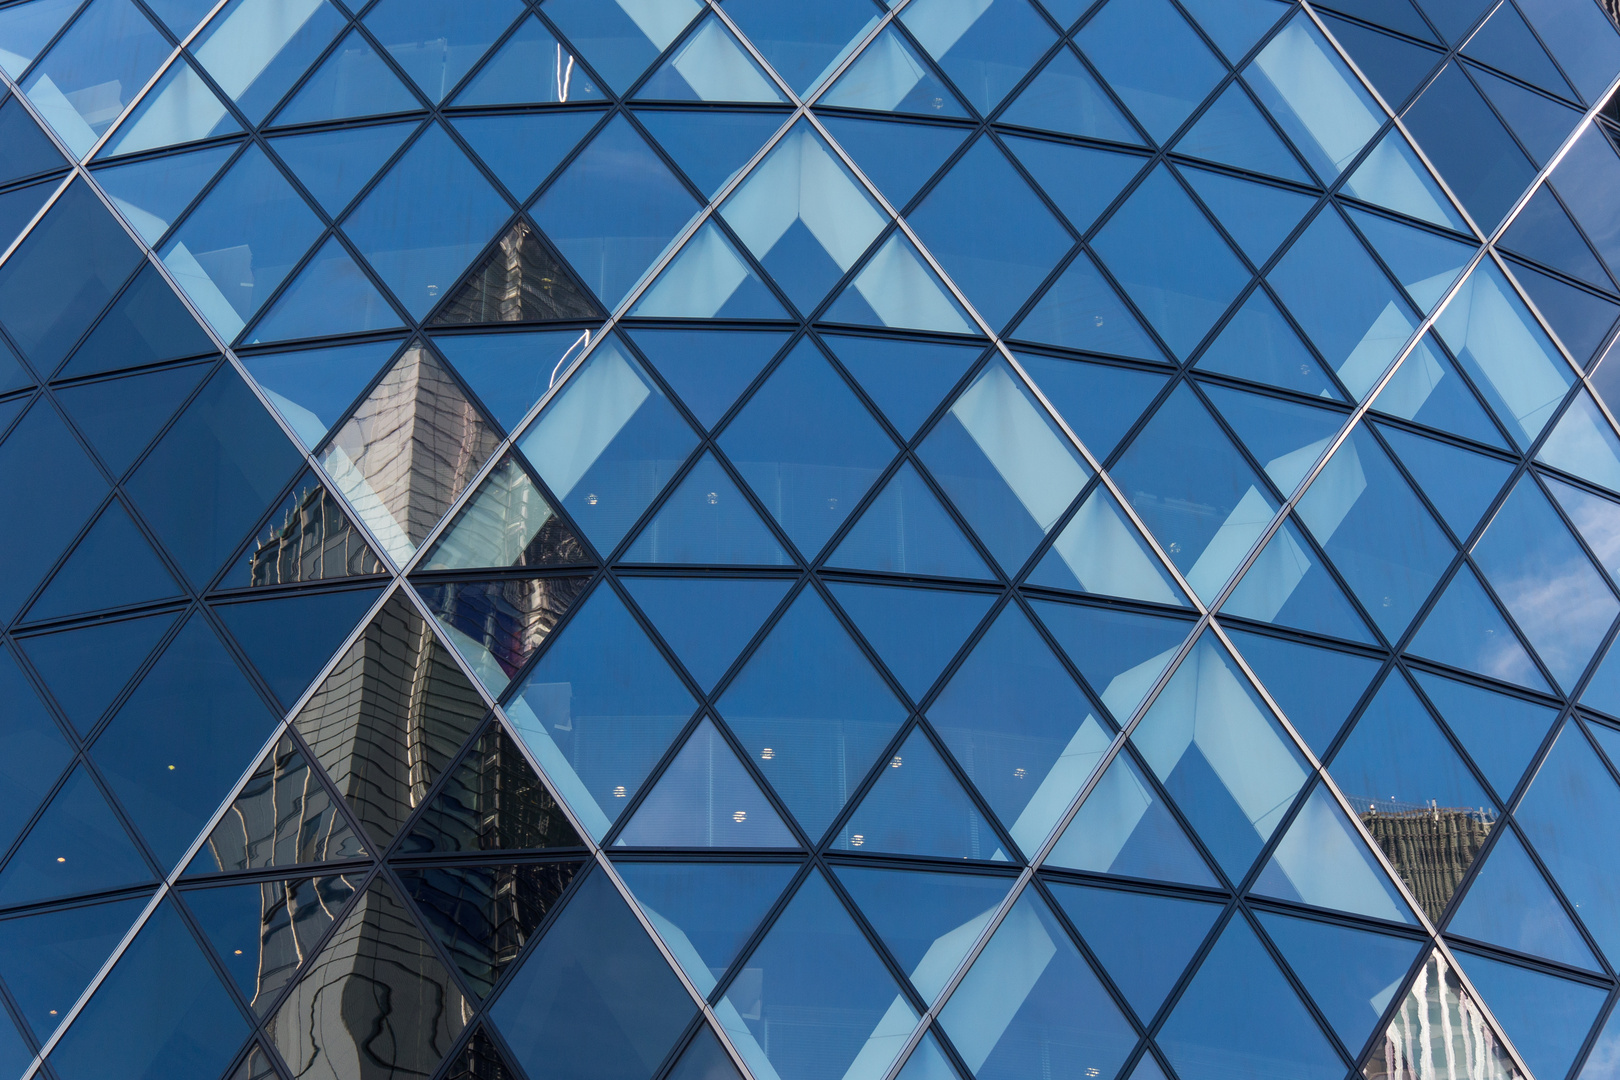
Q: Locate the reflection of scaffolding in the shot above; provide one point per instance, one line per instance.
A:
(1439, 1034)
(1431, 846)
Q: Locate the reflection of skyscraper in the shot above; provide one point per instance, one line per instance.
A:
(313, 541)
(520, 281)
(1432, 847)
(1439, 1034)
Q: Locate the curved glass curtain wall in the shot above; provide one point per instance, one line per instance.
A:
(672, 540)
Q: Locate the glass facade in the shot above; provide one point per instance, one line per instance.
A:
(809, 540)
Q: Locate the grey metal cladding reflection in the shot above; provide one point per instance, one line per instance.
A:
(390, 717)
(377, 1003)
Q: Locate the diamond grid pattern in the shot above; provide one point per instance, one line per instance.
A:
(1031, 663)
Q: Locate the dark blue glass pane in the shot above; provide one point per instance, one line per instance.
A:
(1081, 311)
(1506, 43)
(1100, 403)
(811, 711)
(1459, 483)
(707, 621)
(907, 530)
(522, 149)
(1143, 940)
(1394, 65)
(707, 520)
(42, 467)
(87, 667)
(1315, 688)
(1119, 652)
(1541, 123)
(161, 1013)
(1581, 320)
(186, 733)
(985, 49)
(916, 632)
(48, 959)
(1352, 974)
(501, 368)
(906, 379)
(335, 165)
(1464, 629)
(313, 388)
(713, 907)
(917, 806)
(120, 416)
(34, 752)
(803, 42)
(1470, 147)
(706, 799)
(1587, 48)
(704, 1059)
(1258, 216)
(897, 157)
(709, 145)
(1234, 132)
(1584, 178)
(1082, 181)
(288, 663)
(1236, 27)
(438, 46)
(595, 998)
(28, 150)
(147, 325)
(1154, 61)
(352, 81)
(1546, 1017)
(1066, 98)
(331, 295)
(113, 566)
(1258, 345)
(1510, 904)
(76, 846)
(709, 368)
(211, 476)
(1263, 1032)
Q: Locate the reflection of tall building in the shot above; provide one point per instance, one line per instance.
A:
(313, 541)
(1439, 1034)
(520, 281)
(1432, 847)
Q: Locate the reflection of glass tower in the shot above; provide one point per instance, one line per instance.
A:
(853, 540)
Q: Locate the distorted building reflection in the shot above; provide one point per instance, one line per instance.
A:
(1431, 847)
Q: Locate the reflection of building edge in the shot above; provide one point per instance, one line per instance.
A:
(1439, 1034)
(1432, 848)
(313, 541)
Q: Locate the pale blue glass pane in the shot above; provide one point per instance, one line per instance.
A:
(897, 289)
(710, 65)
(94, 70)
(1065, 97)
(1154, 61)
(1289, 585)
(706, 520)
(1424, 263)
(437, 44)
(1119, 653)
(889, 76)
(180, 109)
(1500, 733)
(1258, 345)
(1393, 177)
(1233, 131)
(706, 799)
(621, 37)
(708, 279)
(152, 194)
(256, 49)
(351, 81)
(27, 27)
(907, 531)
(804, 42)
(1428, 389)
(1099, 551)
(1315, 98)
(985, 47)
(1465, 630)
(1236, 25)
(1287, 438)
(918, 807)
(531, 66)
(313, 388)
(1596, 519)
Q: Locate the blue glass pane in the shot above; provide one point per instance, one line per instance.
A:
(1393, 65)
(985, 51)
(1287, 438)
(113, 566)
(313, 388)
(811, 711)
(587, 211)
(705, 912)
(1500, 733)
(256, 50)
(85, 669)
(1082, 311)
(927, 921)
(91, 73)
(179, 109)
(804, 42)
(529, 66)
(160, 1013)
(607, 444)
(1470, 147)
(710, 65)
(28, 150)
(351, 82)
(152, 193)
(1544, 232)
(890, 76)
(1259, 217)
(821, 1001)
(1154, 61)
(1021, 728)
(1541, 123)
(27, 28)
(501, 368)
(1099, 551)
(146, 325)
(917, 806)
(1235, 27)
(324, 619)
(907, 531)
(1082, 181)
(1570, 816)
(1258, 345)
(1393, 177)
(1596, 518)
(897, 289)
(916, 632)
(1314, 687)
(1425, 263)
(705, 798)
(330, 296)
(1314, 97)
(807, 447)
(1587, 48)
(707, 520)
(1352, 974)
(43, 468)
(599, 709)
(708, 279)
(1546, 1017)
(620, 39)
(48, 959)
(1581, 321)
(1120, 653)
(710, 145)
(335, 165)
(709, 368)
(1428, 389)
(18, 207)
(906, 379)
(990, 232)
(1233, 131)
(1031, 999)
(1143, 940)
(707, 621)
(1099, 402)
(437, 46)
(1323, 861)
(1289, 585)
(1066, 98)
(595, 997)
(1264, 1032)
(76, 846)
(1510, 904)
(1460, 483)
(35, 752)
(1465, 630)
(120, 416)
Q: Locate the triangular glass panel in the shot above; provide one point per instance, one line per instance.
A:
(1425, 263)
(335, 165)
(511, 370)
(1120, 653)
(1100, 402)
(897, 289)
(907, 531)
(1543, 231)
(28, 28)
(147, 325)
(607, 443)
(1413, 1041)
(330, 296)
(814, 964)
(483, 915)
(1506, 43)
(1286, 437)
(1394, 66)
(282, 816)
(409, 991)
(29, 151)
(1144, 940)
(520, 280)
(918, 807)
(915, 631)
(703, 1059)
(1296, 70)
(1460, 483)
(1428, 389)
(480, 1059)
(312, 389)
(18, 207)
(1596, 519)
(707, 521)
(1099, 551)
(928, 921)
(76, 846)
(1154, 61)
(1022, 729)
(705, 911)
(522, 149)
(113, 566)
(890, 76)
(1394, 178)
(707, 621)
(1322, 861)
(49, 958)
(491, 801)
(1602, 691)
(599, 709)
(87, 667)
(812, 711)
(709, 369)
(408, 450)
(307, 538)
(596, 970)
(1581, 320)
(1258, 216)
(179, 109)
(531, 66)
(1465, 630)
(620, 39)
(287, 664)
(1125, 828)
(897, 156)
(35, 748)
(390, 717)
(120, 416)
(1082, 180)
(1510, 904)
(1190, 738)
(1258, 345)
(1351, 973)
(1213, 1029)
(708, 279)
(1500, 733)
(1030, 996)
(153, 192)
(706, 799)
(1235, 26)
(498, 625)
(710, 145)
(1233, 132)
(351, 82)
(927, 1062)
(808, 447)
(1546, 1017)
(111, 51)
(1065, 98)
(710, 65)
(1316, 688)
